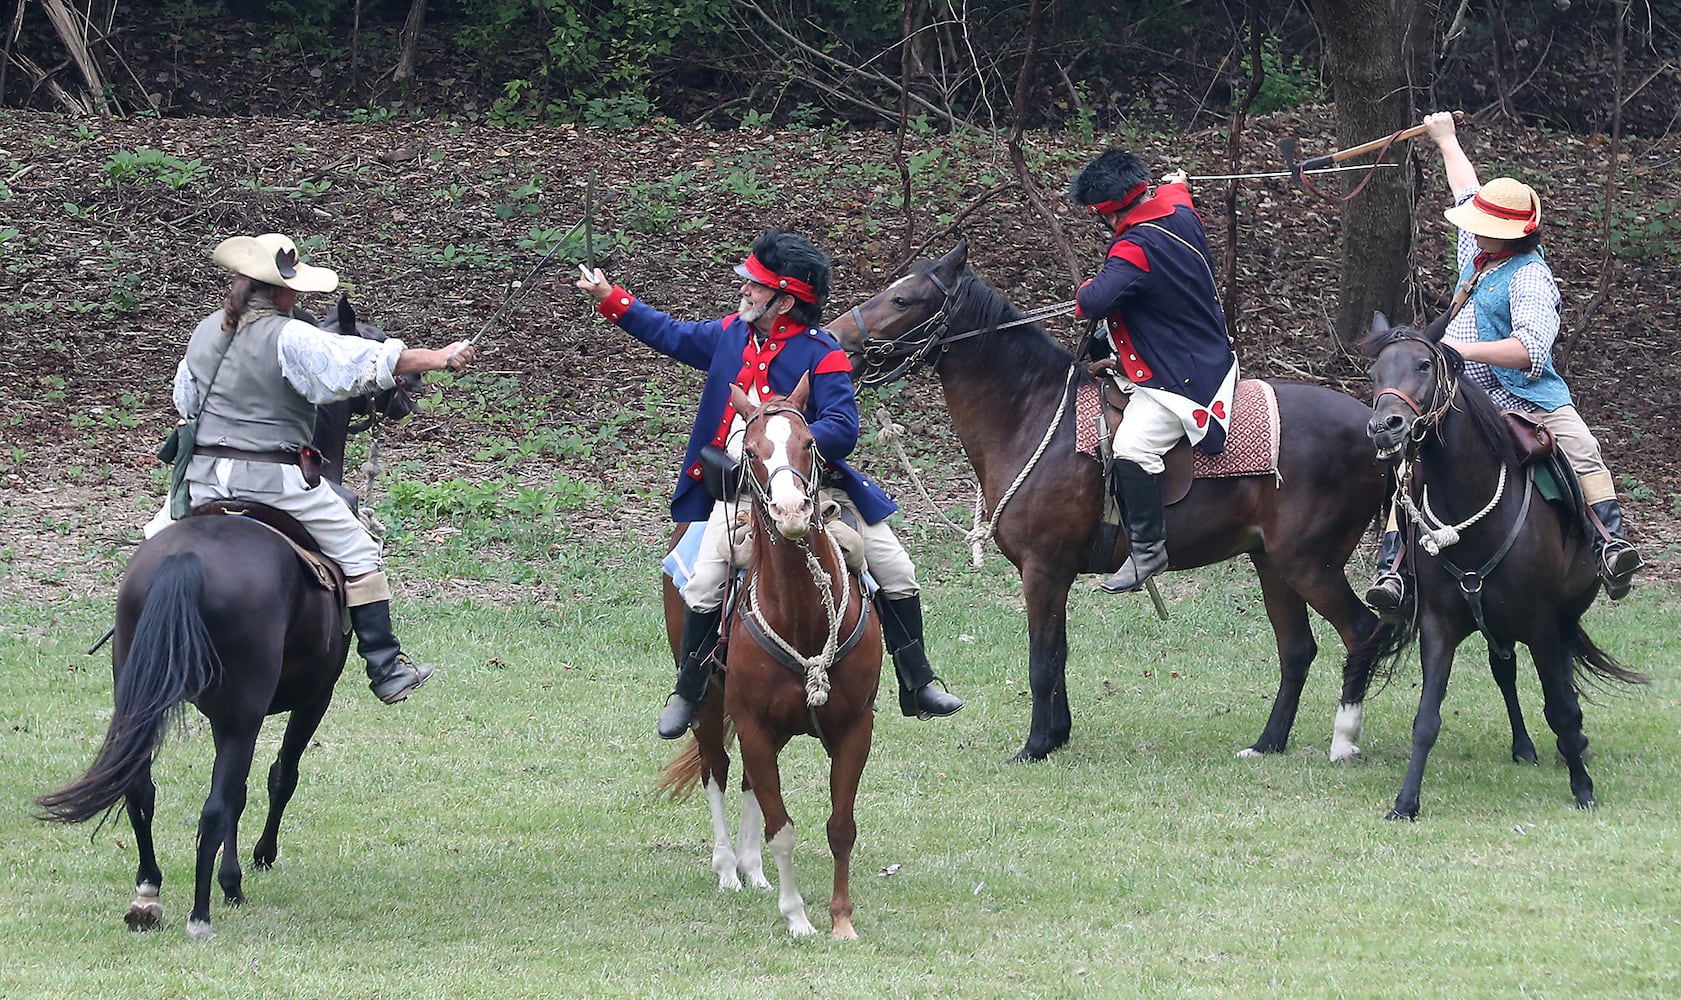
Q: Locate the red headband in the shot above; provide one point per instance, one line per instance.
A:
(1527, 215)
(1118, 204)
(765, 276)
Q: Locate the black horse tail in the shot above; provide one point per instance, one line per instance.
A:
(1382, 649)
(171, 661)
(1593, 662)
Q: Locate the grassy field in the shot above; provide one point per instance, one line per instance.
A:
(498, 836)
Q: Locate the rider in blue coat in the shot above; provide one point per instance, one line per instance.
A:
(1164, 326)
(766, 347)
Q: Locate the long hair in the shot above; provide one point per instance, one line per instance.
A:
(240, 293)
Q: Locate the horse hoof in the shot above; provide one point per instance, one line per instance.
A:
(144, 914)
(1348, 753)
(843, 931)
(199, 930)
(1249, 752)
(1397, 815)
(728, 882)
(800, 927)
(1587, 804)
(1522, 756)
(1026, 756)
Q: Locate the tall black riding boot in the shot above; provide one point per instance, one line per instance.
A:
(694, 669)
(1618, 559)
(391, 674)
(901, 631)
(1140, 494)
(1388, 592)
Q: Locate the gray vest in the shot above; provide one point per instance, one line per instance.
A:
(251, 405)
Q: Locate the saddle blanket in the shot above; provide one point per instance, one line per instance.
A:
(1251, 440)
(679, 563)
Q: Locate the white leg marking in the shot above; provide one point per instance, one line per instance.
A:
(1345, 735)
(750, 835)
(199, 930)
(1250, 752)
(788, 897)
(723, 858)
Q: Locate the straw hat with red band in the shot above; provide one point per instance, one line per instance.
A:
(754, 270)
(1505, 209)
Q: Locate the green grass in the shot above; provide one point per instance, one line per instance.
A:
(498, 837)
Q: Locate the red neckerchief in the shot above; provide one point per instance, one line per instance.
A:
(1484, 258)
(756, 357)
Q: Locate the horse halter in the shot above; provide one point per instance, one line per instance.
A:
(809, 484)
(915, 346)
(1446, 385)
(918, 350)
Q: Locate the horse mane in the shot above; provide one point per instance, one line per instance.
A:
(977, 305)
(1469, 398)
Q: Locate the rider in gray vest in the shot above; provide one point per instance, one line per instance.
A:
(252, 377)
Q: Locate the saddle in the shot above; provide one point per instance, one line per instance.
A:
(322, 570)
(1179, 474)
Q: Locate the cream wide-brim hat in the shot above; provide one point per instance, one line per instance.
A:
(1505, 209)
(273, 259)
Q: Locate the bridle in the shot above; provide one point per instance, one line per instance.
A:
(1445, 386)
(916, 347)
(809, 484)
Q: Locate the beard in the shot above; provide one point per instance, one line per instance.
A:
(751, 312)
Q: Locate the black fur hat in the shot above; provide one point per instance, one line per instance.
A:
(793, 256)
(1109, 178)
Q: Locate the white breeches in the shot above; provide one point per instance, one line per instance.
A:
(1148, 431)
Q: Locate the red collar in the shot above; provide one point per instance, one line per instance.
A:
(786, 328)
(1160, 205)
(1485, 258)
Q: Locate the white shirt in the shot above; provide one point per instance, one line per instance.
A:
(322, 366)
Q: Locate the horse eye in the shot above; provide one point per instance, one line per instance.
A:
(900, 302)
(1423, 367)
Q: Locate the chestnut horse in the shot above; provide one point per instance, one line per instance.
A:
(219, 611)
(1003, 387)
(1512, 568)
(804, 659)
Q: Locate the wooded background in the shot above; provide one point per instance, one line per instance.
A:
(1106, 68)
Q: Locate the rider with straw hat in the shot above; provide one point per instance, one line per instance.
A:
(1503, 321)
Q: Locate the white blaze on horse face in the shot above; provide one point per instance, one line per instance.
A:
(790, 508)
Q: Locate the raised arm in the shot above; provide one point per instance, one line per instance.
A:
(1462, 176)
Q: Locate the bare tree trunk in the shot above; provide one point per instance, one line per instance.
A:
(1607, 260)
(1368, 78)
(907, 60)
(409, 42)
(1232, 300)
(1035, 23)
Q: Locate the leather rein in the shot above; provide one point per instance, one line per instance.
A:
(916, 347)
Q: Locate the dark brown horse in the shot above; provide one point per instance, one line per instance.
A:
(1003, 387)
(803, 659)
(1507, 564)
(220, 612)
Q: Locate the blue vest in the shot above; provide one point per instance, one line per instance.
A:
(1493, 304)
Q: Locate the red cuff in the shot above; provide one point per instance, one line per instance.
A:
(616, 304)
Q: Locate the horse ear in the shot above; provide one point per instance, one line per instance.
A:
(801, 392)
(1438, 327)
(1380, 322)
(347, 316)
(739, 401)
(952, 263)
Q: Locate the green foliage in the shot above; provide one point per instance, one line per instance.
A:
(598, 53)
(1648, 231)
(1288, 83)
(151, 166)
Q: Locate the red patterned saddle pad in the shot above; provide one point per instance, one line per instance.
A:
(1251, 440)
